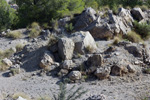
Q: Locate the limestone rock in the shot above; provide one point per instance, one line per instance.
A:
(131, 68)
(67, 64)
(20, 98)
(83, 40)
(47, 60)
(100, 29)
(102, 72)
(63, 72)
(137, 14)
(95, 60)
(75, 75)
(86, 18)
(7, 62)
(65, 48)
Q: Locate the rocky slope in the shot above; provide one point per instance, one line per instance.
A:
(108, 71)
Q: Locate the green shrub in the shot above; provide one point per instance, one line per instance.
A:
(45, 26)
(14, 35)
(54, 24)
(133, 37)
(73, 95)
(69, 27)
(144, 8)
(44, 10)
(53, 40)
(7, 16)
(35, 30)
(143, 29)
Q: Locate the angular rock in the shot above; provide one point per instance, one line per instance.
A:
(66, 48)
(75, 75)
(122, 23)
(131, 68)
(120, 68)
(102, 72)
(137, 14)
(100, 29)
(86, 18)
(134, 49)
(7, 62)
(67, 64)
(47, 60)
(95, 60)
(63, 72)
(83, 40)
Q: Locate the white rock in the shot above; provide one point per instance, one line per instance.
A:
(7, 62)
(20, 98)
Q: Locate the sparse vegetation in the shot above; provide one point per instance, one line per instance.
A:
(69, 27)
(89, 49)
(19, 47)
(14, 71)
(6, 53)
(14, 35)
(73, 95)
(35, 30)
(116, 40)
(133, 37)
(143, 29)
(23, 95)
(53, 40)
(144, 7)
(3, 66)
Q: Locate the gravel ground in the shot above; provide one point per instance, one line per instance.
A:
(116, 88)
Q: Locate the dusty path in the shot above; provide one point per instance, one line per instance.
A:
(117, 89)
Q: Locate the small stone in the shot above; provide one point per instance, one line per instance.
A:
(75, 75)
(131, 68)
(7, 62)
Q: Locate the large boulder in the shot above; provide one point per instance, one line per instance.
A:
(83, 40)
(137, 14)
(86, 18)
(65, 48)
(95, 60)
(122, 23)
(75, 75)
(100, 29)
(47, 60)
